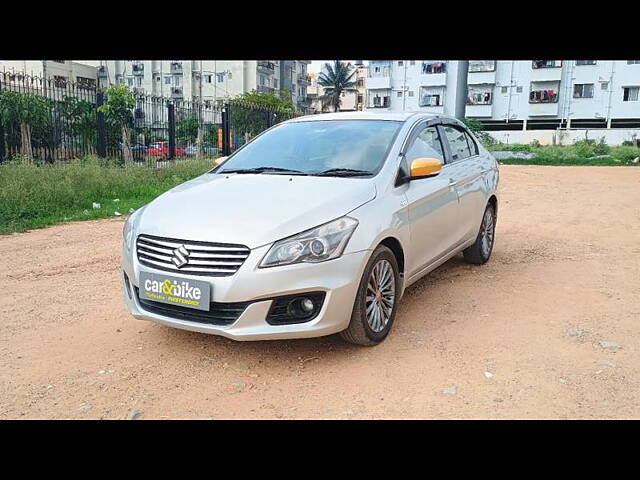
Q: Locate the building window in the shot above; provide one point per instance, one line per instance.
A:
(208, 78)
(381, 102)
(547, 63)
(167, 80)
(130, 82)
(482, 66)
(60, 81)
(275, 83)
(585, 62)
(543, 96)
(583, 90)
(630, 94)
(633, 62)
(434, 67)
(479, 96)
(504, 89)
(360, 98)
(604, 86)
(220, 77)
(519, 89)
(412, 62)
(376, 69)
(411, 93)
(430, 98)
(84, 82)
(400, 63)
(399, 94)
(138, 81)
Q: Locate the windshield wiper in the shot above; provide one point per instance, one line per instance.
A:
(343, 172)
(265, 170)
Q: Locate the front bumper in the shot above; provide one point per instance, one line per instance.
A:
(338, 278)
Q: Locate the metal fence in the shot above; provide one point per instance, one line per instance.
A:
(60, 121)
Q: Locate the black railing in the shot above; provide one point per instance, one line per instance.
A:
(69, 124)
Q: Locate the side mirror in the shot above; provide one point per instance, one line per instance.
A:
(219, 160)
(425, 167)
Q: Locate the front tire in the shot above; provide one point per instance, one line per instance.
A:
(376, 300)
(480, 251)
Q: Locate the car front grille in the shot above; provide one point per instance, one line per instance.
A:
(218, 313)
(189, 256)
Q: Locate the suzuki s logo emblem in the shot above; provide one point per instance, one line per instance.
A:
(180, 256)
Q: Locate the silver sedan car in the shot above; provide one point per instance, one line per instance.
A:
(316, 226)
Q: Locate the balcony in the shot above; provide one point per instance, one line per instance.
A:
(543, 109)
(265, 89)
(176, 92)
(304, 79)
(266, 68)
(176, 68)
(102, 72)
(376, 83)
(546, 70)
(138, 69)
(478, 111)
(433, 73)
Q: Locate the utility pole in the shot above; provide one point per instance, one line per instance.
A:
(461, 89)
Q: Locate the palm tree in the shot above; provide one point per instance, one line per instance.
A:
(336, 81)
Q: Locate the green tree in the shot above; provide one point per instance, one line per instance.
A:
(253, 112)
(27, 110)
(478, 130)
(337, 79)
(118, 111)
(79, 119)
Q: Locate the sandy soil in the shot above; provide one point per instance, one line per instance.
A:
(519, 337)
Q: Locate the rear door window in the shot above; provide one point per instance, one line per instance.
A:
(458, 145)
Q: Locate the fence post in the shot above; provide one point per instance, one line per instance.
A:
(171, 114)
(101, 128)
(269, 118)
(3, 150)
(226, 130)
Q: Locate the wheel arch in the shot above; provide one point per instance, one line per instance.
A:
(393, 244)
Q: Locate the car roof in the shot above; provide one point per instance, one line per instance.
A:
(367, 115)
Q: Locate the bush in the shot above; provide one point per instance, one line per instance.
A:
(33, 195)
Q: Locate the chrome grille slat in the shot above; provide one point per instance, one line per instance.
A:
(193, 253)
(195, 245)
(204, 258)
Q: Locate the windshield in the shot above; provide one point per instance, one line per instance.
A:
(330, 147)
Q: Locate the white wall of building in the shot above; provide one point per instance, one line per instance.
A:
(510, 83)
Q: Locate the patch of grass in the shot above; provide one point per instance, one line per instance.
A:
(36, 196)
(580, 153)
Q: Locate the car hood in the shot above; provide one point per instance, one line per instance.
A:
(251, 209)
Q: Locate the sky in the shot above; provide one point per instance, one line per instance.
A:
(316, 65)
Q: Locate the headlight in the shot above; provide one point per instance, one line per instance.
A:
(127, 231)
(316, 245)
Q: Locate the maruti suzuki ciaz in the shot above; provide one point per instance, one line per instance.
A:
(316, 226)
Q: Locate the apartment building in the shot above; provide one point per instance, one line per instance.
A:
(351, 101)
(83, 73)
(206, 79)
(523, 94)
(294, 77)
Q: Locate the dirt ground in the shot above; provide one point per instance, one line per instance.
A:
(549, 328)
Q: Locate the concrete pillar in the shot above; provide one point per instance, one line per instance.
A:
(568, 123)
(524, 124)
(461, 89)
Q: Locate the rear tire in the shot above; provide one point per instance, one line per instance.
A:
(376, 300)
(480, 251)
